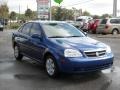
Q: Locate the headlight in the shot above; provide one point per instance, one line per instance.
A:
(108, 49)
(72, 53)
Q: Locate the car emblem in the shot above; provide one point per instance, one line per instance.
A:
(97, 54)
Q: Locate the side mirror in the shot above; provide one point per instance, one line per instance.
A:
(85, 33)
(36, 36)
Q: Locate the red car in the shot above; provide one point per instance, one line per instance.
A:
(93, 26)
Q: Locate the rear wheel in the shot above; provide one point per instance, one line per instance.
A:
(17, 54)
(115, 32)
(51, 67)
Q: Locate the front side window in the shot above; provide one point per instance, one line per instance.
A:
(35, 29)
(61, 30)
(79, 20)
(26, 28)
(119, 21)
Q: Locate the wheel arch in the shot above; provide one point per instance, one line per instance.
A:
(14, 44)
(48, 53)
(115, 29)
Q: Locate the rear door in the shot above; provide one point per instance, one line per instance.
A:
(24, 38)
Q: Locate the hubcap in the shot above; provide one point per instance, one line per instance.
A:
(16, 52)
(50, 67)
(115, 32)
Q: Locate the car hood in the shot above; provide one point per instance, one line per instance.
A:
(81, 43)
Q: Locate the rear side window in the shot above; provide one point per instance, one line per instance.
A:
(35, 29)
(119, 21)
(115, 21)
(79, 20)
(104, 21)
(26, 28)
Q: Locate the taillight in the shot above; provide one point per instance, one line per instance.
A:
(107, 26)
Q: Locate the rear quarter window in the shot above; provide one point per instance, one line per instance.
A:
(104, 21)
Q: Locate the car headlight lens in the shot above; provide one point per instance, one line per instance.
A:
(108, 49)
(72, 53)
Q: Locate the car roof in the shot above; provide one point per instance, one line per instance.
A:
(40, 21)
(111, 18)
(114, 18)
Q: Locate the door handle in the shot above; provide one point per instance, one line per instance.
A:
(18, 38)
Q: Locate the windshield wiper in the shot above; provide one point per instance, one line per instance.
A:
(56, 37)
(75, 36)
(63, 36)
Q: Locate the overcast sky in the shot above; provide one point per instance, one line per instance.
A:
(93, 6)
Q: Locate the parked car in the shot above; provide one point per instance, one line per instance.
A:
(109, 26)
(79, 22)
(82, 22)
(70, 22)
(1, 26)
(61, 48)
(93, 25)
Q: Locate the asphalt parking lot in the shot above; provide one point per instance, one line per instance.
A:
(29, 75)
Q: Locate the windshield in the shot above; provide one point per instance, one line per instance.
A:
(61, 30)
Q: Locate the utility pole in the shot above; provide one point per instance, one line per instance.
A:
(19, 11)
(50, 11)
(114, 8)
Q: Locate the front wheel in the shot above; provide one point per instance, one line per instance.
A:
(17, 54)
(51, 67)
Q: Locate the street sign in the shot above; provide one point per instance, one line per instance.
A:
(43, 9)
(58, 1)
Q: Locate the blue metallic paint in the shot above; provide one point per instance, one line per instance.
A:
(37, 49)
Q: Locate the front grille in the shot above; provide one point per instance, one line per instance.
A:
(95, 53)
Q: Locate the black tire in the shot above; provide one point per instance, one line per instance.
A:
(53, 74)
(104, 33)
(115, 32)
(17, 54)
(93, 32)
(1, 29)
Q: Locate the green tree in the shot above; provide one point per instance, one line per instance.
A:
(13, 15)
(34, 15)
(67, 14)
(59, 13)
(4, 11)
(96, 16)
(86, 13)
(105, 16)
(29, 14)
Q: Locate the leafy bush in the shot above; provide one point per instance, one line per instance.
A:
(14, 25)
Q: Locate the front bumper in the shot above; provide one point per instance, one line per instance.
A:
(81, 65)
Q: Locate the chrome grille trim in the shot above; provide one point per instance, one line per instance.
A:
(95, 53)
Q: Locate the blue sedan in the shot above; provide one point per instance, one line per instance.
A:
(61, 47)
